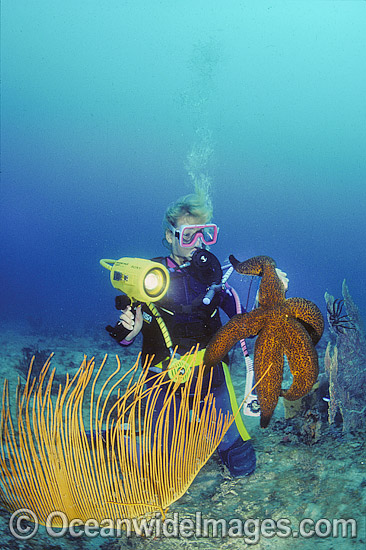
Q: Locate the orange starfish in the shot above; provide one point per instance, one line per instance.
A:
(283, 326)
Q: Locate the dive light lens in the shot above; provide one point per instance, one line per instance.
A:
(155, 282)
(151, 281)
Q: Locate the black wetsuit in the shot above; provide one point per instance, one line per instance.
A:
(188, 320)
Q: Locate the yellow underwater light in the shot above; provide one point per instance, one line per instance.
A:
(142, 280)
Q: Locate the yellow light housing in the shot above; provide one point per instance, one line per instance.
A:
(142, 280)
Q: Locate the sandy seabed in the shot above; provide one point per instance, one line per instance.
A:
(321, 480)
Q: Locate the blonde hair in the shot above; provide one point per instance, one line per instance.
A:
(197, 204)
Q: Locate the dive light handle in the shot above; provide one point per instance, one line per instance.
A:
(119, 332)
(122, 301)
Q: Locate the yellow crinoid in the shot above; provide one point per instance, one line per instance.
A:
(89, 452)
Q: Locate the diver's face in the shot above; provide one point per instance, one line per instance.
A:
(179, 253)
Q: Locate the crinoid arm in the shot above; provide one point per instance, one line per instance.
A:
(338, 321)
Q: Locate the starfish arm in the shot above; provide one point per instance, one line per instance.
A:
(253, 266)
(302, 359)
(240, 326)
(268, 353)
(271, 290)
(309, 313)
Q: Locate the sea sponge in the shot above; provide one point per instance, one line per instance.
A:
(345, 361)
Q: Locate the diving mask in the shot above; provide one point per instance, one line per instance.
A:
(188, 235)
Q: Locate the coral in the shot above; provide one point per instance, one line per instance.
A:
(299, 407)
(78, 453)
(345, 363)
(336, 393)
(311, 429)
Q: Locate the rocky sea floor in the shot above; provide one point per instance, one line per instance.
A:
(306, 469)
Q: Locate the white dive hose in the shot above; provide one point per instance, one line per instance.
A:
(251, 404)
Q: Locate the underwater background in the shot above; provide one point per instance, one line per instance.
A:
(106, 107)
(111, 110)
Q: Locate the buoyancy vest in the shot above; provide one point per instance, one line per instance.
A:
(188, 320)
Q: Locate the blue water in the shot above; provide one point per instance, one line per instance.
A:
(105, 102)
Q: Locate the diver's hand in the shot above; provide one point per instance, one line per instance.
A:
(132, 322)
(283, 278)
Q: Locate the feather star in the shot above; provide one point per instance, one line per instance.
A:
(283, 326)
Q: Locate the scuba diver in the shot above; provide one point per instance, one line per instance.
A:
(190, 316)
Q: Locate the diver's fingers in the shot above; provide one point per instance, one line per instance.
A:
(283, 276)
(127, 313)
(128, 318)
(138, 319)
(280, 273)
(132, 321)
(128, 324)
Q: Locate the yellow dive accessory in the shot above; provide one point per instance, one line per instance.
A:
(234, 404)
(162, 326)
(147, 281)
(180, 367)
(142, 280)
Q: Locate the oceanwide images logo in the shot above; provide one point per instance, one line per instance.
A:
(24, 525)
